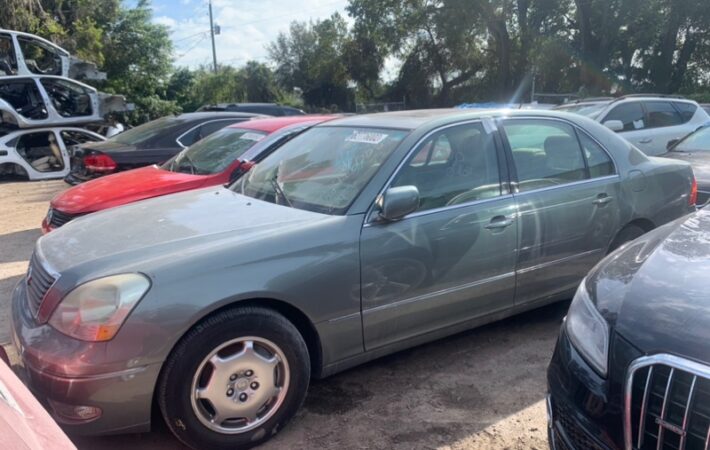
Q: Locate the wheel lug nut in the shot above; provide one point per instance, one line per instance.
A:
(249, 373)
(233, 377)
(230, 392)
(242, 397)
(254, 385)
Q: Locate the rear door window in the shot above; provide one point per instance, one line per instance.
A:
(598, 160)
(40, 58)
(630, 114)
(662, 114)
(215, 125)
(69, 99)
(546, 153)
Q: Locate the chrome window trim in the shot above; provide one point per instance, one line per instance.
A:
(559, 186)
(672, 361)
(372, 220)
(178, 142)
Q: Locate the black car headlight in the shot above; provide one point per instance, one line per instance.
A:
(588, 330)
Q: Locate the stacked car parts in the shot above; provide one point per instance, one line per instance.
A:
(41, 105)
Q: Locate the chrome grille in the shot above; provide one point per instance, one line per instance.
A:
(667, 404)
(57, 218)
(38, 280)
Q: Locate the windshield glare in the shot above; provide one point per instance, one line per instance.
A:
(698, 141)
(143, 132)
(321, 170)
(214, 153)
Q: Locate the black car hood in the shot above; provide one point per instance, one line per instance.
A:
(654, 291)
(700, 161)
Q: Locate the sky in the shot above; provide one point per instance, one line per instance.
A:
(247, 26)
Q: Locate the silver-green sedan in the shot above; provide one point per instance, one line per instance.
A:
(360, 237)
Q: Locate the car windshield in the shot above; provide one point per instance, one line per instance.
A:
(584, 109)
(214, 153)
(698, 141)
(321, 170)
(143, 132)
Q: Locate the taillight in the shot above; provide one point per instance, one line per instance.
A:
(693, 199)
(99, 163)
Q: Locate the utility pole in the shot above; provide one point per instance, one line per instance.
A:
(214, 51)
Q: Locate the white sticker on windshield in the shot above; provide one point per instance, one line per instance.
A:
(366, 137)
(252, 137)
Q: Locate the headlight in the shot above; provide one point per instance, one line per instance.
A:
(588, 330)
(96, 310)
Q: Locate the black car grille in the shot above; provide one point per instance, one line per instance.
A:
(669, 405)
(573, 433)
(38, 280)
(58, 218)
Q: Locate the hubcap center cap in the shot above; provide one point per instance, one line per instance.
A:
(242, 384)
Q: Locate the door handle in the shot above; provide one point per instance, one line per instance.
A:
(602, 199)
(646, 141)
(499, 222)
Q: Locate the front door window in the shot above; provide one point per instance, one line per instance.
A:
(40, 58)
(8, 60)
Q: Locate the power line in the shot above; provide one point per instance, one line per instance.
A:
(192, 48)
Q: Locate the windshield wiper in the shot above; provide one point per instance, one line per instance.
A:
(278, 190)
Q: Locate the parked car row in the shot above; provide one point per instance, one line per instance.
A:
(648, 121)
(348, 239)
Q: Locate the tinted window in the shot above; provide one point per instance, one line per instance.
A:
(69, 99)
(630, 114)
(599, 162)
(687, 110)
(546, 153)
(8, 61)
(24, 96)
(210, 127)
(40, 58)
(147, 131)
(662, 114)
(454, 166)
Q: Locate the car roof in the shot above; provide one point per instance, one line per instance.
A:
(217, 115)
(413, 119)
(269, 125)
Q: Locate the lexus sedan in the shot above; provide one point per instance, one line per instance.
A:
(217, 159)
(360, 237)
(632, 365)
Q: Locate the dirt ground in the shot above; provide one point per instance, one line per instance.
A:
(483, 389)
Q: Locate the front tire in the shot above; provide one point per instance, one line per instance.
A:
(234, 380)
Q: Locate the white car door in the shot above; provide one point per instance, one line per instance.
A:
(664, 123)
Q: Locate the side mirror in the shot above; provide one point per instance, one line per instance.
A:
(671, 143)
(397, 202)
(614, 125)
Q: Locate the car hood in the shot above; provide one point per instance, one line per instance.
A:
(126, 187)
(167, 227)
(701, 164)
(654, 291)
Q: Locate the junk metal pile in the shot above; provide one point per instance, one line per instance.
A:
(44, 109)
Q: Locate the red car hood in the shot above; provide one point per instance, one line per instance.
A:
(130, 186)
(24, 424)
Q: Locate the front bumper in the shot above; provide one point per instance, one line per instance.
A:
(585, 411)
(64, 371)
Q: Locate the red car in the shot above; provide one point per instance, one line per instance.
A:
(24, 423)
(217, 159)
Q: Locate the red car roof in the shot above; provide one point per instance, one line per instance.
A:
(275, 123)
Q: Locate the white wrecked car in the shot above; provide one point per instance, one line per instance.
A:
(41, 153)
(27, 54)
(35, 101)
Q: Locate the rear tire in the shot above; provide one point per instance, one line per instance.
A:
(627, 234)
(245, 362)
